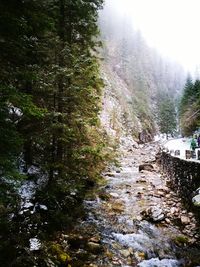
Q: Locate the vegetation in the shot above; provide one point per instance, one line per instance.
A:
(50, 96)
(167, 115)
(189, 108)
(148, 77)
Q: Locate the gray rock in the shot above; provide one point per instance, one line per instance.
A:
(94, 247)
(154, 214)
(185, 219)
(196, 200)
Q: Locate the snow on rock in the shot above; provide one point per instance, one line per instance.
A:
(43, 207)
(35, 244)
(33, 170)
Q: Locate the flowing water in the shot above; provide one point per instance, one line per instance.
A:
(115, 233)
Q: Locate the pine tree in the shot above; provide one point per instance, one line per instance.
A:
(189, 111)
(167, 115)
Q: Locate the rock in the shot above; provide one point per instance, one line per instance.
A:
(94, 247)
(167, 220)
(114, 195)
(160, 193)
(125, 253)
(198, 191)
(154, 214)
(196, 200)
(173, 210)
(118, 207)
(95, 239)
(185, 219)
(163, 188)
(141, 181)
(109, 174)
(146, 167)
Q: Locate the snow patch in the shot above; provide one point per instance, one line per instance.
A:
(35, 244)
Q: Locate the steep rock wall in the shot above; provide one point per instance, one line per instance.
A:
(119, 116)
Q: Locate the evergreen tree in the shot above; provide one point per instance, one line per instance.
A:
(167, 116)
(50, 100)
(189, 113)
(187, 95)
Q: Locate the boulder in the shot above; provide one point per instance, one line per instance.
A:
(94, 248)
(154, 214)
(196, 200)
(185, 219)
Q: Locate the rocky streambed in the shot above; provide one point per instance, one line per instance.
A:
(134, 219)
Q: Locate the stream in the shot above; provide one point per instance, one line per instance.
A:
(134, 219)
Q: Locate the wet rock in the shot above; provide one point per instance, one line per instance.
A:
(174, 210)
(163, 188)
(190, 214)
(154, 214)
(125, 253)
(110, 174)
(94, 248)
(196, 200)
(141, 180)
(118, 207)
(95, 239)
(160, 193)
(146, 167)
(185, 219)
(104, 196)
(167, 220)
(114, 195)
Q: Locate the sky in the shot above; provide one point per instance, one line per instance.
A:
(170, 26)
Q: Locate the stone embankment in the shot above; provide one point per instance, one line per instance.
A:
(184, 178)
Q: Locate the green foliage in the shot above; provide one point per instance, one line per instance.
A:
(189, 108)
(167, 115)
(144, 72)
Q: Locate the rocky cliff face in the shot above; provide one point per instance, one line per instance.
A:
(118, 116)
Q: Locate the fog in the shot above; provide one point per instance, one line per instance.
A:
(170, 26)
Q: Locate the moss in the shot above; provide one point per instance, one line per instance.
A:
(104, 196)
(181, 240)
(61, 255)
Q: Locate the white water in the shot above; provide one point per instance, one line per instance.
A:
(155, 262)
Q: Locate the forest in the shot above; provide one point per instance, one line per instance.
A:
(50, 99)
(61, 62)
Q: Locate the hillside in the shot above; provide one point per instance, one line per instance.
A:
(137, 78)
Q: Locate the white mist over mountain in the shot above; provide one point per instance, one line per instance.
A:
(170, 26)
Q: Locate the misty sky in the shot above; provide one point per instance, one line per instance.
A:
(171, 26)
